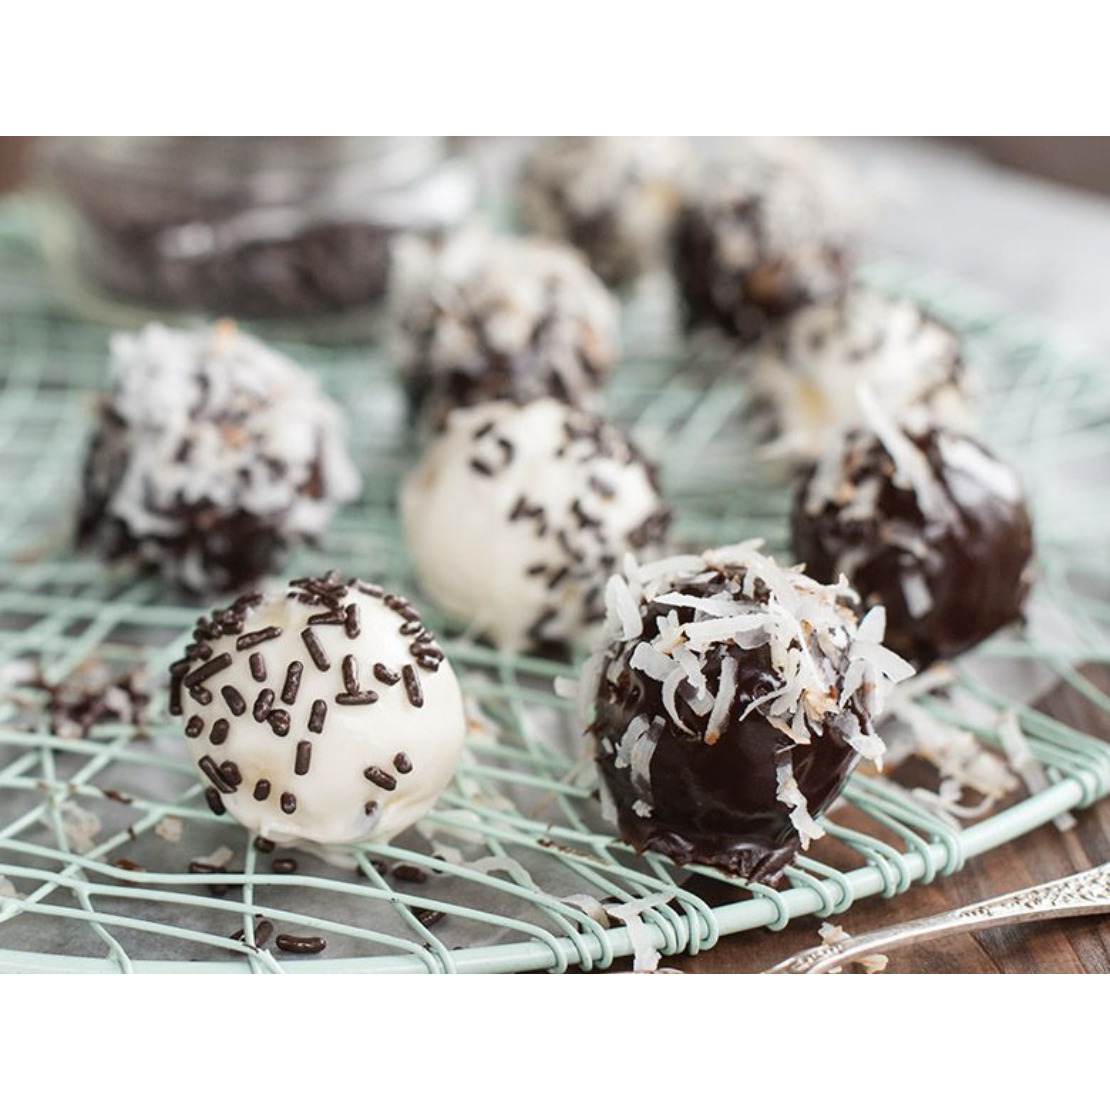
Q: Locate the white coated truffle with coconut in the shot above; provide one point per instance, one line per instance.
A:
(323, 715)
(613, 197)
(517, 514)
(484, 317)
(212, 454)
(809, 374)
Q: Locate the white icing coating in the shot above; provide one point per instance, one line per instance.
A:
(517, 514)
(333, 793)
(480, 301)
(614, 197)
(214, 418)
(809, 372)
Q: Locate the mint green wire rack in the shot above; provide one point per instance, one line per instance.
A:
(518, 859)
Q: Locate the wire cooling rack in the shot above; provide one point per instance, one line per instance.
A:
(514, 869)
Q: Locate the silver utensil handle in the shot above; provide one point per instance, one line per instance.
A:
(1074, 896)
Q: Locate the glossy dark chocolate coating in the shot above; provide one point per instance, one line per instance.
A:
(977, 568)
(715, 803)
(746, 301)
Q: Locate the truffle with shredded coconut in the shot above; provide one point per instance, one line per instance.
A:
(482, 317)
(729, 715)
(211, 455)
(321, 715)
(807, 374)
(613, 197)
(518, 513)
(766, 229)
(924, 521)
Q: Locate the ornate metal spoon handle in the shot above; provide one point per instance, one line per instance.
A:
(1074, 896)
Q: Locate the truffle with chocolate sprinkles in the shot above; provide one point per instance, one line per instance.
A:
(355, 751)
(728, 700)
(212, 454)
(531, 545)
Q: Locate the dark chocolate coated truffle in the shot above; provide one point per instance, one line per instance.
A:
(765, 232)
(925, 522)
(730, 699)
(498, 318)
(212, 454)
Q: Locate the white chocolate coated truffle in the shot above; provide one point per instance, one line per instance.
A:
(516, 516)
(485, 317)
(326, 715)
(811, 371)
(613, 197)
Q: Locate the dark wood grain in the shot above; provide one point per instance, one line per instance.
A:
(1075, 945)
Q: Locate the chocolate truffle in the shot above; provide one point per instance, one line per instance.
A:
(325, 714)
(483, 317)
(614, 198)
(808, 372)
(517, 514)
(211, 455)
(924, 520)
(765, 230)
(728, 701)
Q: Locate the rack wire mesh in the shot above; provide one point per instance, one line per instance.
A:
(514, 869)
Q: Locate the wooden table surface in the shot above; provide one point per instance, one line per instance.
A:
(1069, 945)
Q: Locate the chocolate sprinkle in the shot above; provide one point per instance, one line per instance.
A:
(411, 628)
(427, 917)
(219, 731)
(262, 932)
(317, 716)
(215, 802)
(288, 803)
(350, 674)
(367, 588)
(353, 623)
(410, 873)
(279, 721)
(325, 618)
(316, 650)
(206, 671)
(285, 865)
(412, 685)
(381, 778)
(383, 674)
(370, 808)
(402, 763)
(258, 667)
(301, 946)
(201, 694)
(363, 697)
(194, 727)
(208, 765)
(292, 682)
(230, 771)
(261, 793)
(235, 701)
(261, 843)
(253, 639)
(262, 704)
(304, 757)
